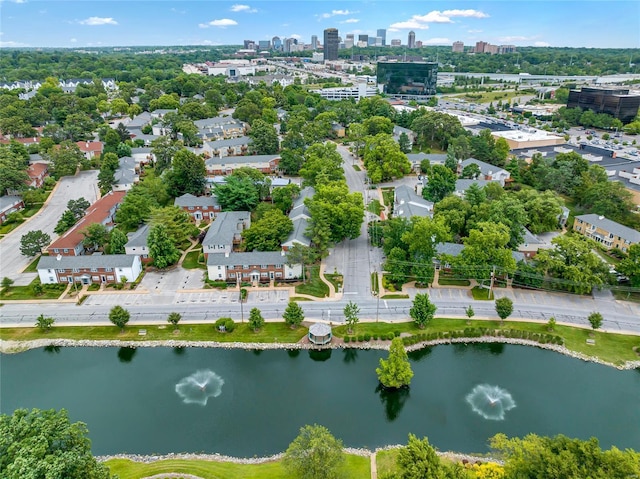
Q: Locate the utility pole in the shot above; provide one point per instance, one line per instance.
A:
(493, 275)
(241, 307)
(377, 294)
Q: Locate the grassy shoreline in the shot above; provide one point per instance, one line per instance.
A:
(611, 348)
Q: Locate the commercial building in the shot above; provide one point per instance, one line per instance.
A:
(331, 42)
(411, 41)
(396, 42)
(314, 42)
(276, 43)
(382, 33)
(264, 44)
(518, 139)
(357, 92)
(408, 80)
(607, 232)
(615, 101)
(458, 47)
(349, 41)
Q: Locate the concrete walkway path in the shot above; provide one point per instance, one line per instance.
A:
(374, 467)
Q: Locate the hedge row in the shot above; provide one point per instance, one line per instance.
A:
(480, 332)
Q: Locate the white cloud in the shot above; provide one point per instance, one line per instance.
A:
(351, 20)
(92, 21)
(514, 38)
(541, 44)
(418, 22)
(437, 41)
(221, 22)
(296, 36)
(335, 13)
(181, 12)
(408, 25)
(474, 31)
(242, 8)
(465, 13)
(73, 40)
(11, 44)
(433, 17)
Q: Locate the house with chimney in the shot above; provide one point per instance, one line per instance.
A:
(137, 244)
(37, 173)
(90, 149)
(299, 216)
(102, 211)
(407, 204)
(225, 233)
(487, 172)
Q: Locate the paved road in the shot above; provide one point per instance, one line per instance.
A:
(70, 187)
(618, 316)
(352, 258)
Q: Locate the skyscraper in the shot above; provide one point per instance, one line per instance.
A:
(382, 33)
(458, 47)
(331, 42)
(277, 43)
(411, 42)
(349, 42)
(314, 42)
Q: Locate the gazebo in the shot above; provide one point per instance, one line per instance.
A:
(320, 333)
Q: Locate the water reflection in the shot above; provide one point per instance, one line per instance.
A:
(125, 355)
(179, 350)
(419, 354)
(393, 401)
(293, 353)
(52, 349)
(350, 355)
(320, 354)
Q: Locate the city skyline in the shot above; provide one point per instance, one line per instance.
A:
(84, 23)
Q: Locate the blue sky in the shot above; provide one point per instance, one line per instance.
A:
(85, 23)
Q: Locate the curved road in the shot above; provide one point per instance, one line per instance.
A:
(69, 188)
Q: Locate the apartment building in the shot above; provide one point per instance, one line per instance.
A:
(605, 231)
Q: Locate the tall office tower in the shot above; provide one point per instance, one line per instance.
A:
(264, 44)
(249, 45)
(314, 42)
(349, 42)
(331, 42)
(458, 47)
(371, 41)
(411, 42)
(277, 43)
(382, 33)
(408, 79)
(396, 42)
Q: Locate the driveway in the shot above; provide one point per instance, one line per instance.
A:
(84, 185)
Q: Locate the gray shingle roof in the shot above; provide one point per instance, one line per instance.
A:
(139, 237)
(250, 259)
(612, 227)
(225, 226)
(89, 261)
(300, 225)
(408, 204)
(240, 159)
(485, 168)
(139, 121)
(8, 201)
(188, 199)
(216, 145)
(463, 185)
(416, 158)
(454, 249)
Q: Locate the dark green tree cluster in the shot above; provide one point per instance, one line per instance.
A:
(76, 209)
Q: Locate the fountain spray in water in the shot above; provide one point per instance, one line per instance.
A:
(491, 402)
(199, 387)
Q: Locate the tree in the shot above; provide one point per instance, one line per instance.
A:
(303, 255)
(383, 158)
(441, 182)
(418, 460)
(187, 174)
(44, 323)
(422, 310)
(64, 159)
(283, 196)
(237, 194)
(264, 138)
(504, 307)
(256, 321)
(41, 444)
(119, 316)
(14, 176)
(163, 149)
(269, 232)
(563, 457)
(395, 371)
(314, 454)
(595, 320)
(66, 221)
(7, 283)
(31, 243)
(551, 324)
(293, 314)
(78, 207)
(470, 313)
(95, 235)
(351, 311)
(630, 266)
(176, 222)
(161, 247)
(117, 241)
(486, 246)
(404, 143)
(174, 318)
(321, 159)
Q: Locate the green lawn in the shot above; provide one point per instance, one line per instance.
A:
(374, 207)
(481, 293)
(386, 462)
(627, 296)
(395, 296)
(387, 196)
(33, 266)
(374, 283)
(191, 260)
(270, 333)
(357, 168)
(314, 286)
(49, 291)
(335, 280)
(357, 467)
(444, 280)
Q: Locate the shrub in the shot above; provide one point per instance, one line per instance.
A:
(225, 325)
(367, 337)
(390, 336)
(375, 337)
(347, 339)
(396, 334)
(360, 337)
